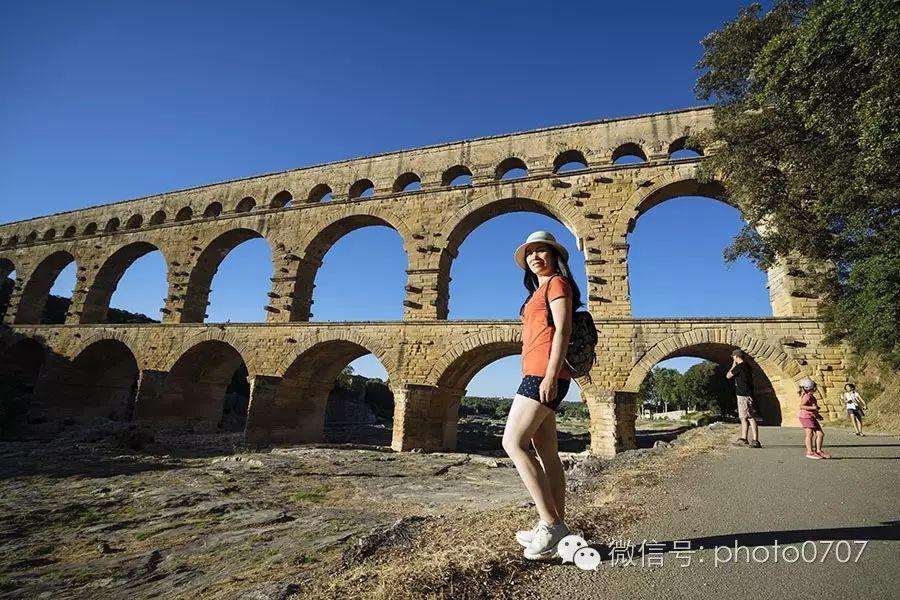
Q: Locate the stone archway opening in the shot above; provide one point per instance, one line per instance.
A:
(100, 382)
(675, 261)
(204, 391)
(322, 398)
(47, 294)
(129, 287)
(239, 263)
(20, 367)
(353, 270)
(7, 284)
(773, 389)
(475, 391)
(475, 288)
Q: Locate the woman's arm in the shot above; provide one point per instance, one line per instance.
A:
(561, 309)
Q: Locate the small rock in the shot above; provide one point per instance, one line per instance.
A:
(272, 590)
(104, 548)
(661, 444)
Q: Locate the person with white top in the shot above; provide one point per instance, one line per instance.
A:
(854, 404)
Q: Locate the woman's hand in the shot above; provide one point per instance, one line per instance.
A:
(547, 390)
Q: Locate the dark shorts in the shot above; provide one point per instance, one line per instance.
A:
(855, 412)
(531, 388)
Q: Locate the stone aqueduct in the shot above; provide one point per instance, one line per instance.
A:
(183, 365)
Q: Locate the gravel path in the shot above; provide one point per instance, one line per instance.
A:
(756, 498)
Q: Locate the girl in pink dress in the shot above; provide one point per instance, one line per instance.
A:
(809, 420)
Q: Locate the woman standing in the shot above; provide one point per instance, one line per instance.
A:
(545, 381)
(854, 404)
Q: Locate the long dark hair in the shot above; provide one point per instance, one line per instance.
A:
(562, 268)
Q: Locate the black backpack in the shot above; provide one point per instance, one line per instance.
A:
(581, 353)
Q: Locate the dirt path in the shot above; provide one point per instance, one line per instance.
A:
(756, 498)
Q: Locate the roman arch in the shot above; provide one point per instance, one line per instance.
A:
(434, 197)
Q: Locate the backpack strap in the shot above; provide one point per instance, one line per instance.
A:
(547, 301)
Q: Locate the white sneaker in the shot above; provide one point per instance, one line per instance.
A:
(546, 539)
(524, 537)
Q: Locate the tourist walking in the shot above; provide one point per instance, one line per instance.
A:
(854, 404)
(546, 317)
(809, 419)
(743, 389)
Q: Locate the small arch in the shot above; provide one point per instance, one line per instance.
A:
(213, 210)
(282, 199)
(568, 161)
(680, 149)
(364, 188)
(7, 283)
(31, 237)
(70, 231)
(134, 221)
(158, 218)
(49, 234)
(12, 241)
(245, 205)
(184, 214)
(457, 175)
(511, 168)
(112, 225)
(319, 193)
(90, 229)
(629, 153)
(408, 182)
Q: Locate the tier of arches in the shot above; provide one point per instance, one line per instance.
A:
(567, 161)
(110, 376)
(297, 271)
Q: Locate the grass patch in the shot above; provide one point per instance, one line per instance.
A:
(314, 495)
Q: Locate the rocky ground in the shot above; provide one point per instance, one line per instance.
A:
(83, 516)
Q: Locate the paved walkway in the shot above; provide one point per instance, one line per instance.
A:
(756, 498)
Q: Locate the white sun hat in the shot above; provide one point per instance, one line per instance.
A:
(540, 237)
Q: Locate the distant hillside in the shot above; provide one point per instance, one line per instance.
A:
(56, 307)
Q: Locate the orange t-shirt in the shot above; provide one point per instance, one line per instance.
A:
(537, 336)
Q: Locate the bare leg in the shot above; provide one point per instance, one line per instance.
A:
(820, 437)
(525, 416)
(809, 440)
(744, 429)
(545, 442)
(857, 422)
(754, 430)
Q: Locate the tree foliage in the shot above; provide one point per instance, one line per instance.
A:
(701, 387)
(807, 140)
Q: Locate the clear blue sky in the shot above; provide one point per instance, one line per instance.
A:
(104, 101)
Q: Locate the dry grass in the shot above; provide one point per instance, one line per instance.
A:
(471, 554)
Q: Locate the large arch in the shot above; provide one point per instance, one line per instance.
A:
(193, 394)
(20, 366)
(99, 382)
(96, 303)
(317, 246)
(7, 268)
(296, 411)
(481, 210)
(774, 373)
(680, 183)
(196, 294)
(37, 288)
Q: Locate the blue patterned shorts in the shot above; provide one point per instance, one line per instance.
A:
(531, 388)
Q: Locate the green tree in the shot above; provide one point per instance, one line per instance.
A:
(807, 136)
(667, 383)
(345, 378)
(696, 389)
